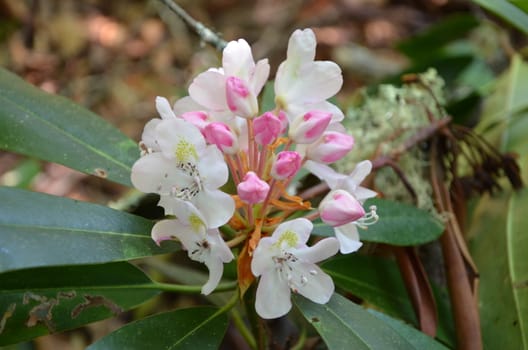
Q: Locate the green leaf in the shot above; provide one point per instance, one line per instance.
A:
(38, 301)
(399, 224)
(193, 328)
(498, 246)
(345, 325)
(508, 11)
(38, 229)
(507, 107)
(378, 281)
(418, 339)
(53, 128)
(517, 244)
(22, 175)
(424, 45)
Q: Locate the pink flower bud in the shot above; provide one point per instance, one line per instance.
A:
(252, 189)
(198, 119)
(220, 134)
(330, 148)
(240, 99)
(267, 128)
(309, 127)
(339, 208)
(286, 165)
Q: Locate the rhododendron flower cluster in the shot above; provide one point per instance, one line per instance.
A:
(219, 133)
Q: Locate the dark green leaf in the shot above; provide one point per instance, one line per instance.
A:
(194, 328)
(418, 339)
(268, 97)
(447, 30)
(399, 224)
(345, 325)
(38, 301)
(38, 229)
(52, 128)
(500, 314)
(378, 281)
(508, 11)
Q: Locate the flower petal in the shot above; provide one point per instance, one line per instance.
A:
(316, 82)
(325, 173)
(318, 287)
(360, 172)
(348, 238)
(260, 76)
(216, 269)
(301, 227)
(219, 247)
(164, 108)
(180, 139)
(363, 193)
(301, 46)
(170, 229)
(216, 206)
(187, 104)
(295, 110)
(149, 136)
(237, 60)
(153, 173)
(273, 296)
(322, 250)
(212, 168)
(263, 256)
(208, 89)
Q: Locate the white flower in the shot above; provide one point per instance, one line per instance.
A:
(347, 234)
(285, 263)
(209, 88)
(185, 169)
(350, 183)
(202, 244)
(303, 84)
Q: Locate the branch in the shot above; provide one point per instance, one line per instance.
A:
(206, 34)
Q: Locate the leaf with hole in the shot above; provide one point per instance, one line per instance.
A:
(35, 302)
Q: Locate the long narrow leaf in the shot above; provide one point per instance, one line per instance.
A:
(38, 230)
(38, 301)
(194, 328)
(53, 128)
(345, 325)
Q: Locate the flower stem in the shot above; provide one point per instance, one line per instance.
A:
(230, 304)
(299, 345)
(237, 240)
(187, 289)
(243, 329)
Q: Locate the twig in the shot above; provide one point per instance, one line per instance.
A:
(206, 34)
(465, 307)
(422, 134)
(418, 288)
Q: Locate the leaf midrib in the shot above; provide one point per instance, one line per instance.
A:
(92, 231)
(65, 133)
(141, 286)
(195, 329)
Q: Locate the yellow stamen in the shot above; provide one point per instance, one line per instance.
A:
(185, 150)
